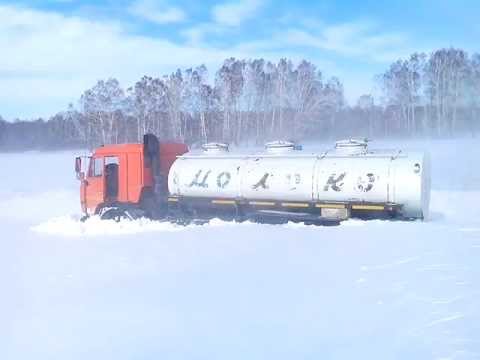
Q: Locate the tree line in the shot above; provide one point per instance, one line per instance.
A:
(436, 94)
(253, 101)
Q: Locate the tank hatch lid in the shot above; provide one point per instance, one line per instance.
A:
(215, 148)
(351, 146)
(281, 146)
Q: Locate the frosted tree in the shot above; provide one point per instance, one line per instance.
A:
(197, 101)
(148, 100)
(257, 90)
(102, 105)
(366, 106)
(283, 76)
(474, 93)
(446, 74)
(175, 104)
(414, 69)
(229, 84)
(304, 92)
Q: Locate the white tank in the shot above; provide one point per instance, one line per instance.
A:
(348, 173)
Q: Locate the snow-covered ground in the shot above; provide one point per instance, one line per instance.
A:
(146, 290)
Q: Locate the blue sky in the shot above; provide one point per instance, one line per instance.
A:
(52, 50)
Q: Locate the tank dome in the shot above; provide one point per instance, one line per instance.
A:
(215, 148)
(352, 146)
(281, 146)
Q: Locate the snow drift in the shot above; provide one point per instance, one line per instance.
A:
(142, 289)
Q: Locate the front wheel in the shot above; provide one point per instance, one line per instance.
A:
(118, 213)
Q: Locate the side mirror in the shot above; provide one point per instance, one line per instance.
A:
(78, 167)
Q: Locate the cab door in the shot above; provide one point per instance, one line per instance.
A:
(95, 184)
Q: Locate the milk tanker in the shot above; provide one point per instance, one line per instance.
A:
(286, 182)
(281, 183)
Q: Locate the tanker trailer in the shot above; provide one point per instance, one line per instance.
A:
(285, 182)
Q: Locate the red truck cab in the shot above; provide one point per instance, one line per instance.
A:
(126, 176)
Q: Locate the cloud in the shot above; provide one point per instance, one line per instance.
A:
(356, 42)
(49, 59)
(197, 34)
(226, 18)
(157, 12)
(354, 39)
(234, 13)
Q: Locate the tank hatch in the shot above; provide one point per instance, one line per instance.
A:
(281, 146)
(352, 146)
(215, 148)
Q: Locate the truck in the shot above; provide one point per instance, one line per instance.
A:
(166, 181)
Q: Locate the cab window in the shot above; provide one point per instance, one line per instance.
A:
(111, 160)
(96, 167)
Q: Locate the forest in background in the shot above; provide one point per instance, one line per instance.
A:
(253, 101)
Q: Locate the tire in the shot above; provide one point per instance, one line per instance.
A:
(118, 214)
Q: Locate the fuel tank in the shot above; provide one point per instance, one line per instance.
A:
(350, 172)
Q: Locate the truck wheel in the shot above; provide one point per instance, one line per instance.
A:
(118, 213)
